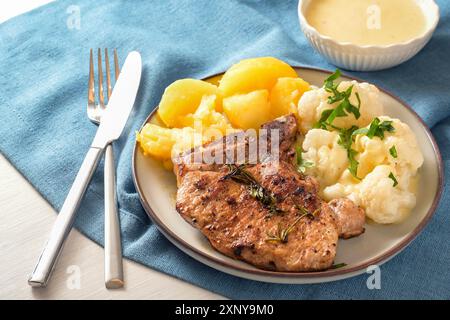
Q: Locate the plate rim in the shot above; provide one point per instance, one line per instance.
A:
(378, 260)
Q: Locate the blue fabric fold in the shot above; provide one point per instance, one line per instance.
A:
(45, 134)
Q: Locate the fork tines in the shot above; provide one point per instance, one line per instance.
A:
(100, 86)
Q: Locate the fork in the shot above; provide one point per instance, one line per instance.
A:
(113, 249)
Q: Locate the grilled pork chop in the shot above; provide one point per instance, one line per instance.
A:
(224, 149)
(350, 218)
(266, 214)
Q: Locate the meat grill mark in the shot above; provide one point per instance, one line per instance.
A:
(200, 184)
(231, 201)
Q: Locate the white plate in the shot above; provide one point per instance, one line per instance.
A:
(157, 188)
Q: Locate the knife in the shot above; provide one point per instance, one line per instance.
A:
(113, 122)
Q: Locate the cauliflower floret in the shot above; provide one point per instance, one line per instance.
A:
(314, 102)
(339, 190)
(382, 163)
(329, 158)
(383, 202)
(376, 151)
(376, 193)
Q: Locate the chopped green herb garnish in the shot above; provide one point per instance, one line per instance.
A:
(322, 123)
(385, 126)
(282, 233)
(242, 176)
(393, 152)
(329, 82)
(353, 167)
(346, 141)
(346, 137)
(338, 265)
(359, 101)
(391, 175)
(344, 108)
(302, 164)
(376, 129)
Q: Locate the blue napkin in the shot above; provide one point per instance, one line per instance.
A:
(44, 131)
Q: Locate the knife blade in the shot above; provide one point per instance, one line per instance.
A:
(112, 124)
(121, 102)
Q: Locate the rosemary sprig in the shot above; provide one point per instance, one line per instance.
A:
(282, 233)
(303, 211)
(266, 198)
(238, 174)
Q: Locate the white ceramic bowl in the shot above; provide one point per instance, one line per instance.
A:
(370, 57)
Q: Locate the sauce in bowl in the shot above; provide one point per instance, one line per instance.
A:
(367, 22)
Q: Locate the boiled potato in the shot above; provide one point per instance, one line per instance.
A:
(207, 118)
(156, 141)
(167, 164)
(186, 138)
(254, 74)
(181, 98)
(248, 110)
(285, 95)
(163, 143)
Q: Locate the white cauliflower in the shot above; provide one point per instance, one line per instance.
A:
(376, 193)
(314, 102)
(383, 202)
(400, 143)
(387, 160)
(329, 158)
(398, 153)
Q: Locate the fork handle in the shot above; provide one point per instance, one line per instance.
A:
(113, 248)
(64, 220)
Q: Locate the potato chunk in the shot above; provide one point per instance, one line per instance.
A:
(181, 98)
(163, 143)
(156, 141)
(186, 138)
(285, 95)
(254, 74)
(207, 118)
(249, 110)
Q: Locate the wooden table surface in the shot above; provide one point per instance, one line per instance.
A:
(25, 222)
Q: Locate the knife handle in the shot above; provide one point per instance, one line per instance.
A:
(64, 220)
(113, 248)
